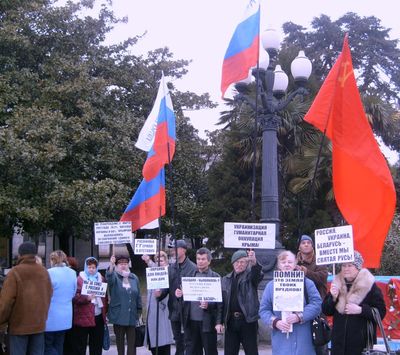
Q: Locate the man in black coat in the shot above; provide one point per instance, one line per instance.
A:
(240, 304)
(184, 267)
(352, 294)
(200, 317)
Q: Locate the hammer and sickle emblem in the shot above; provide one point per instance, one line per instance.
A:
(345, 73)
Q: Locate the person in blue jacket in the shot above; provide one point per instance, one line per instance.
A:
(59, 319)
(125, 303)
(299, 340)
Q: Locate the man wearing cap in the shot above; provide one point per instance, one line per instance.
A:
(182, 268)
(316, 273)
(306, 262)
(24, 302)
(352, 296)
(241, 304)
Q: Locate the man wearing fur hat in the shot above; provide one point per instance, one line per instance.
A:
(241, 304)
(24, 302)
(352, 294)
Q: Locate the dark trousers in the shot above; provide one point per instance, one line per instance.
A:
(162, 350)
(69, 342)
(179, 337)
(321, 350)
(239, 331)
(54, 342)
(122, 331)
(95, 335)
(32, 344)
(201, 340)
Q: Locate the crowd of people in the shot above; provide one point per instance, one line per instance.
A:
(47, 312)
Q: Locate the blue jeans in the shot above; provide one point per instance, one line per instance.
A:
(32, 344)
(54, 342)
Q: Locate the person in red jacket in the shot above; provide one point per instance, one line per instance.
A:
(89, 312)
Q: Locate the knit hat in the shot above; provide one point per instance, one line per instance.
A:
(238, 255)
(180, 243)
(358, 260)
(306, 237)
(120, 258)
(27, 248)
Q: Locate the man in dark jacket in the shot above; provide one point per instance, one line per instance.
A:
(241, 304)
(24, 302)
(200, 317)
(183, 268)
(306, 263)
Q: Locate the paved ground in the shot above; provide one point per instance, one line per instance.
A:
(263, 350)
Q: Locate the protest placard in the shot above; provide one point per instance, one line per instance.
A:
(145, 246)
(334, 245)
(249, 235)
(94, 288)
(202, 289)
(112, 233)
(157, 277)
(288, 291)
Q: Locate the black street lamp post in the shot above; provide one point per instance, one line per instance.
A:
(272, 83)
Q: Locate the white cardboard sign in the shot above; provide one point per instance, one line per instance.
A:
(94, 288)
(288, 291)
(334, 245)
(157, 277)
(112, 233)
(249, 235)
(202, 289)
(145, 246)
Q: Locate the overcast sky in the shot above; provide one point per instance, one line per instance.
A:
(200, 30)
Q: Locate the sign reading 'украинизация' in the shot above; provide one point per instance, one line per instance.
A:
(249, 235)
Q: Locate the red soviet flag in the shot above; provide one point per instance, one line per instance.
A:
(362, 182)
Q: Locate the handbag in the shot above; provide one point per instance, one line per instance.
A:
(106, 338)
(139, 333)
(320, 329)
(370, 336)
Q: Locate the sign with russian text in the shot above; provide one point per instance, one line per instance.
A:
(288, 291)
(145, 246)
(157, 277)
(112, 233)
(249, 235)
(95, 288)
(206, 289)
(334, 245)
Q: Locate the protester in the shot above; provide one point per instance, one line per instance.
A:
(24, 302)
(352, 294)
(297, 341)
(59, 319)
(165, 336)
(200, 318)
(89, 312)
(69, 338)
(126, 303)
(240, 304)
(176, 271)
(316, 273)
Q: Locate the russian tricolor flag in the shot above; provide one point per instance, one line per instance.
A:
(148, 203)
(163, 147)
(243, 49)
(158, 138)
